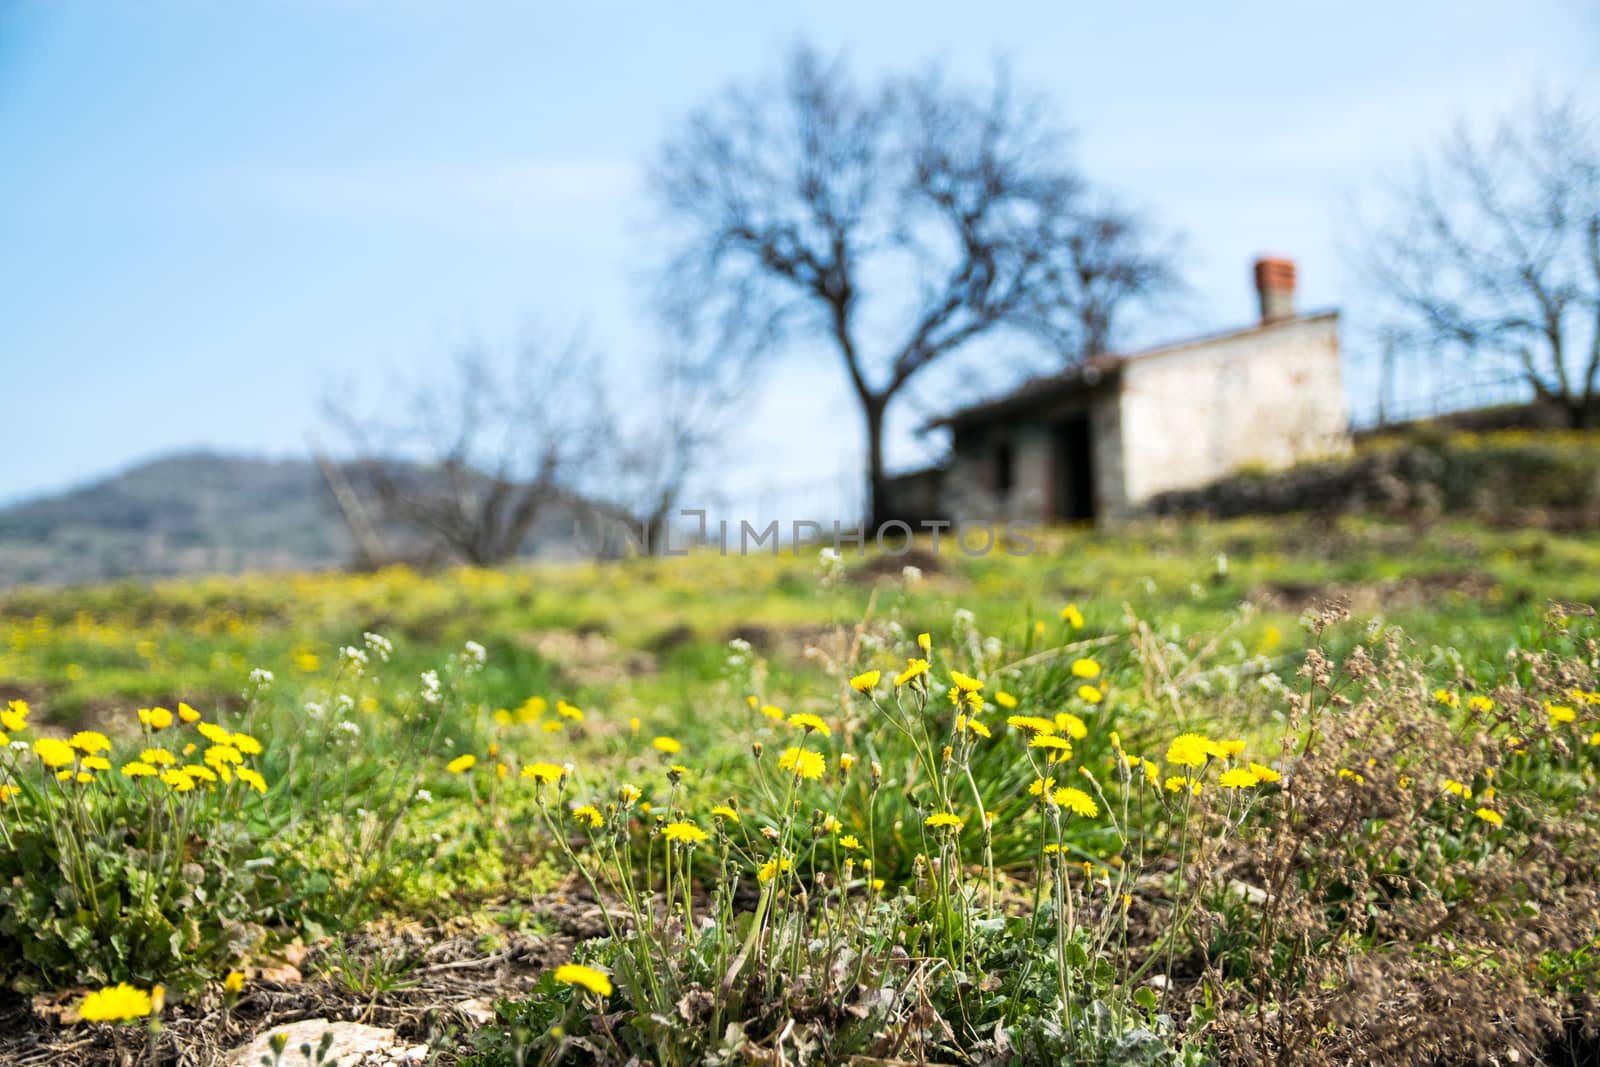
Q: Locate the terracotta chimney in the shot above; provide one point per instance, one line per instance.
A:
(1275, 286)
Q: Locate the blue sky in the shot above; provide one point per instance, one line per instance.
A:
(212, 212)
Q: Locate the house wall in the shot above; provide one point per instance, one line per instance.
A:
(969, 489)
(1268, 397)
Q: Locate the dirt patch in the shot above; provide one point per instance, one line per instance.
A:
(589, 655)
(881, 565)
(1367, 598)
(437, 988)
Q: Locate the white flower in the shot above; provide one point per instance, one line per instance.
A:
(353, 729)
(345, 701)
(378, 645)
(424, 797)
(911, 574)
(430, 687)
(20, 746)
(473, 656)
(260, 677)
(353, 659)
(314, 709)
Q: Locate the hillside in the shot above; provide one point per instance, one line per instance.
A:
(189, 513)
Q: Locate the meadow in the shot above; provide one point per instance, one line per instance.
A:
(1230, 792)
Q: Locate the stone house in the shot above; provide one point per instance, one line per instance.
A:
(1102, 438)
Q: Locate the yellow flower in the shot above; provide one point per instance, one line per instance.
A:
(577, 974)
(1085, 668)
(252, 779)
(1176, 783)
(138, 769)
(1076, 801)
(15, 716)
(1490, 816)
(866, 681)
(158, 756)
(214, 733)
(1458, 788)
(1072, 616)
(850, 842)
(233, 985)
(1040, 786)
(1560, 713)
(247, 744)
(569, 711)
(684, 832)
(1051, 741)
(178, 781)
(1447, 698)
(155, 718)
(722, 811)
(462, 764)
(217, 755)
(944, 820)
(1232, 748)
(668, 745)
(965, 683)
(915, 668)
(96, 763)
(1090, 695)
(1031, 723)
(1346, 772)
(90, 741)
(925, 642)
(545, 773)
(589, 814)
(971, 725)
(809, 722)
(1191, 750)
(1005, 700)
(188, 714)
(1238, 778)
(773, 712)
(804, 763)
(1480, 703)
(118, 1003)
(1072, 725)
(1265, 773)
(199, 773)
(769, 869)
(53, 753)
(846, 761)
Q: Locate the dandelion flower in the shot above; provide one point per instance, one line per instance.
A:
(96, 763)
(722, 811)
(138, 769)
(117, 1003)
(1447, 698)
(462, 764)
(543, 773)
(944, 820)
(177, 781)
(158, 756)
(90, 741)
(1263, 772)
(1041, 786)
(214, 733)
(1490, 816)
(1238, 778)
(1051, 741)
(866, 681)
(247, 744)
(590, 815)
(15, 716)
(569, 711)
(1480, 703)
(187, 714)
(925, 642)
(768, 870)
(964, 682)
(1086, 668)
(1191, 750)
(577, 974)
(850, 842)
(809, 723)
(1071, 725)
(915, 668)
(1231, 749)
(1076, 801)
(1090, 695)
(1032, 724)
(1072, 616)
(233, 985)
(1560, 713)
(802, 762)
(155, 718)
(1458, 788)
(53, 753)
(773, 712)
(667, 745)
(1005, 700)
(963, 723)
(252, 778)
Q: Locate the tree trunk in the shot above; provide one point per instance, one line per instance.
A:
(878, 502)
(1579, 411)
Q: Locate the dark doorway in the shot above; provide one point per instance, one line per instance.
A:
(1074, 470)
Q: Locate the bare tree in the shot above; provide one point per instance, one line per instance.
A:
(470, 456)
(899, 224)
(1493, 256)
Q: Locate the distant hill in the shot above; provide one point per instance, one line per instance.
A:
(190, 513)
(205, 513)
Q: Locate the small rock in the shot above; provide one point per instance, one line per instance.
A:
(353, 1045)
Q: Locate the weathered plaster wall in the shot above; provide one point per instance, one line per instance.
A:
(1195, 412)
